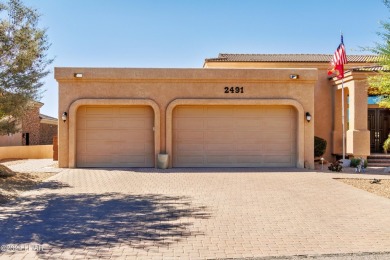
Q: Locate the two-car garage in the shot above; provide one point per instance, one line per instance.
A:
(164, 118)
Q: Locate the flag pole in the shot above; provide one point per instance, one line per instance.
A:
(342, 104)
(337, 64)
(342, 115)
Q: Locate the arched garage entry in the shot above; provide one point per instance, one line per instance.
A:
(114, 133)
(235, 133)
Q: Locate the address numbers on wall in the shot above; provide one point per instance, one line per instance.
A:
(234, 90)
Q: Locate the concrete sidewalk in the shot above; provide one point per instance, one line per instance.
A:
(193, 214)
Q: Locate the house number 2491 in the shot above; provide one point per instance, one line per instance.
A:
(234, 90)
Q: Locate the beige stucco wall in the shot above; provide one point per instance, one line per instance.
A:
(27, 152)
(163, 86)
(11, 140)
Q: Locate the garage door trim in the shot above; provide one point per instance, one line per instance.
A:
(72, 115)
(254, 102)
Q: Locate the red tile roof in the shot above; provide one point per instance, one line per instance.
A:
(369, 69)
(224, 57)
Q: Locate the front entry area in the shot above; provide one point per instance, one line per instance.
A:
(234, 136)
(379, 126)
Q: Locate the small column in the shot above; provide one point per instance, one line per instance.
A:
(358, 137)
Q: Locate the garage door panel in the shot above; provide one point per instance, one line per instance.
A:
(191, 160)
(96, 147)
(191, 153)
(218, 159)
(134, 159)
(85, 160)
(133, 136)
(278, 148)
(192, 136)
(93, 148)
(190, 147)
(98, 123)
(98, 135)
(277, 159)
(115, 136)
(279, 126)
(248, 147)
(134, 123)
(247, 123)
(249, 137)
(130, 148)
(234, 136)
(251, 159)
(218, 147)
(219, 137)
(219, 112)
(133, 111)
(218, 123)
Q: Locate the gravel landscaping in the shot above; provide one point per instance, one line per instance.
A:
(382, 188)
(13, 183)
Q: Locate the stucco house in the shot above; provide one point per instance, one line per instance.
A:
(251, 110)
(35, 129)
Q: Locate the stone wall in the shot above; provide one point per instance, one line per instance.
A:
(31, 125)
(47, 132)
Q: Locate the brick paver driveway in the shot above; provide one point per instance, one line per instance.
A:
(147, 214)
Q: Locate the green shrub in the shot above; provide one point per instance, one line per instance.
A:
(319, 146)
(355, 162)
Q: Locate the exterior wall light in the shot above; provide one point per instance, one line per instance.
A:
(78, 75)
(294, 76)
(308, 117)
(64, 116)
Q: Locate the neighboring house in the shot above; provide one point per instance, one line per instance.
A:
(238, 111)
(35, 129)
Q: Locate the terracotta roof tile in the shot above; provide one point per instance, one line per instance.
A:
(42, 116)
(224, 57)
(369, 69)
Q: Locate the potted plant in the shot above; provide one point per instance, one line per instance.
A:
(386, 144)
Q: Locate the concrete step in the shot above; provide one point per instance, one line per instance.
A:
(378, 164)
(379, 155)
(378, 160)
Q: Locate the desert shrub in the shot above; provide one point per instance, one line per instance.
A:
(319, 146)
(335, 167)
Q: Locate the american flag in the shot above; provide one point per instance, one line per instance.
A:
(338, 61)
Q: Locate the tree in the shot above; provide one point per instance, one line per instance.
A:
(23, 62)
(380, 84)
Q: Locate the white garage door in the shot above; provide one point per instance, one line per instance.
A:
(115, 136)
(234, 136)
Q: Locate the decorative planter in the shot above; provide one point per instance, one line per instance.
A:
(162, 161)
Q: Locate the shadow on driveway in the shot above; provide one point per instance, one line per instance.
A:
(91, 220)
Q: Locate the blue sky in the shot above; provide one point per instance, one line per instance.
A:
(182, 33)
